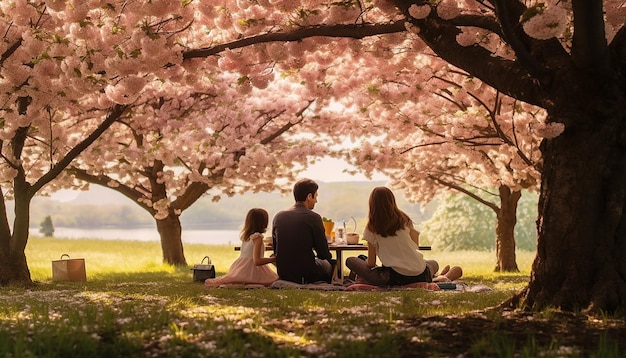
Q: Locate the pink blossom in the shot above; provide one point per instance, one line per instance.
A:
(244, 4)
(419, 12)
(206, 9)
(223, 21)
(125, 91)
(56, 5)
(14, 73)
(466, 37)
(547, 24)
(160, 8)
(23, 13)
(550, 130)
(385, 6)
(227, 64)
(411, 28)
(448, 9)
(261, 81)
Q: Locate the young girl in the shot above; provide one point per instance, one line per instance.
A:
(390, 235)
(250, 267)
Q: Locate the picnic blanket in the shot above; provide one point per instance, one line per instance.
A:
(349, 286)
(239, 285)
(367, 287)
(308, 286)
(432, 286)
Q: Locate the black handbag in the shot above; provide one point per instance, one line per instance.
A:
(203, 271)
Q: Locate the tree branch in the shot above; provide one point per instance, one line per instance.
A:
(192, 193)
(287, 126)
(459, 188)
(114, 114)
(482, 22)
(511, 77)
(10, 50)
(589, 47)
(356, 31)
(500, 132)
(504, 75)
(103, 181)
(535, 68)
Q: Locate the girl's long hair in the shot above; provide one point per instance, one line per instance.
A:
(385, 218)
(257, 220)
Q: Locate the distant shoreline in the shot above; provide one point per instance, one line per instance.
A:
(189, 236)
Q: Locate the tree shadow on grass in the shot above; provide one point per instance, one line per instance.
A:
(490, 333)
(175, 276)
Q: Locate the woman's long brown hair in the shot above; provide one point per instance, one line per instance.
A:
(257, 220)
(385, 218)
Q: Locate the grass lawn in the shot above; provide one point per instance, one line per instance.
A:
(134, 306)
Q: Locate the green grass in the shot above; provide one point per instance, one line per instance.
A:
(134, 306)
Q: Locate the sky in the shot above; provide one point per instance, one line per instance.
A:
(331, 170)
(326, 170)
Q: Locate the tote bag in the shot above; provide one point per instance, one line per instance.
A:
(203, 271)
(69, 269)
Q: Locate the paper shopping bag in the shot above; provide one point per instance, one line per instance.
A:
(69, 269)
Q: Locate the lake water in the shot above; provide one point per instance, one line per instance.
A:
(190, 236)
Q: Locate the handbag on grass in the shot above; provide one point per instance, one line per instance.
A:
(69, 269)
(203, 271)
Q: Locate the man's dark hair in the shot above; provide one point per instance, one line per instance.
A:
(304, 187)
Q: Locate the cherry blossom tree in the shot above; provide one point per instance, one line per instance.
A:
(566, 57)
(66, 79)
(71, 70)
(459, 142)
(181, 144)
(42, 126)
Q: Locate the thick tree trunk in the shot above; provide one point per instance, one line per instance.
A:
(13, 264)
(505, 230)
(581, 252)
(14, 269)
(170, 231)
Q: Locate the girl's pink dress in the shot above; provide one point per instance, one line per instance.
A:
(244, 271)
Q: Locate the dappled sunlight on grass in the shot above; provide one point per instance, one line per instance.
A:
(181, 318)
(288, 337)
(133, 305)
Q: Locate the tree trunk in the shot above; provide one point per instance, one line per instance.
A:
(169, 228)
(505, 230)
(13, 267)
(580, 262)
(170, 231)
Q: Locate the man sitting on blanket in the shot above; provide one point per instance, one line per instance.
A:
(296, 233)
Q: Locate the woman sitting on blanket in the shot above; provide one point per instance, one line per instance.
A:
(390, 235)
(251, 265)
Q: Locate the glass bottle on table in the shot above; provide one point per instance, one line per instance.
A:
(340, 234)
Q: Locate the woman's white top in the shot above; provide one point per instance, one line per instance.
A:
(398, 252)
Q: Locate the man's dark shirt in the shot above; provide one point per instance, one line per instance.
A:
(296, 232)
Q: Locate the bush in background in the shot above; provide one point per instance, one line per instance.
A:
(462, 223)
